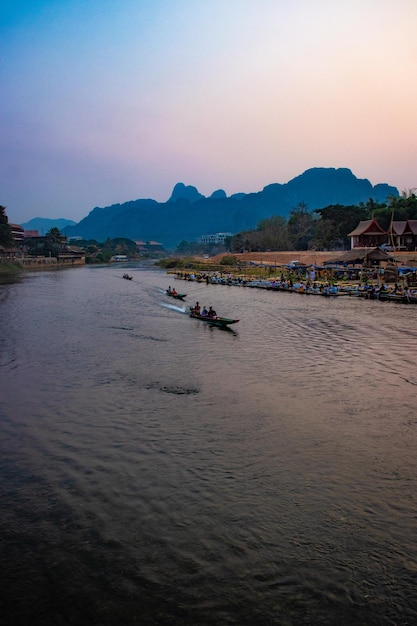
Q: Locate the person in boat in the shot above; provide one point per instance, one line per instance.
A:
(212, 313)
(169, 290)
(204, 312)
(174, 292)
(197, 308)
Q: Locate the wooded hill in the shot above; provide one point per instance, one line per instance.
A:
(188, 214)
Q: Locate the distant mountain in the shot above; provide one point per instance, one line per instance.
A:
(43, 224)
(188, 214)
(182, 192)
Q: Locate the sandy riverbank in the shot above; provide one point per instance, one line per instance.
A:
(307, 257)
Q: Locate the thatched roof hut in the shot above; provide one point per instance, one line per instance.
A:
(361, 256)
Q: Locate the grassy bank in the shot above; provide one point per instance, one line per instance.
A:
(9, 272)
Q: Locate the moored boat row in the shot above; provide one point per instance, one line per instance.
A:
(383, 292)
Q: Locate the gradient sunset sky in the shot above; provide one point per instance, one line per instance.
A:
(105, 101)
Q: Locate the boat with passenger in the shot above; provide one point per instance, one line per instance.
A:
(210, 316)
(173, 293)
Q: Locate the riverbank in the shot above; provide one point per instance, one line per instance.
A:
(306, 257)
(9, 272)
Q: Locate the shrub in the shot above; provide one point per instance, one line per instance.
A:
(229, 259)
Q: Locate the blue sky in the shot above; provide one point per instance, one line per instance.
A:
(109, 101)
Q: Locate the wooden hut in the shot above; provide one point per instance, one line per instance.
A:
(367, 233)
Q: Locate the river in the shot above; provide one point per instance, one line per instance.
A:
(155, 470)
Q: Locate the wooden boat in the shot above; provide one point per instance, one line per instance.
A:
(221, 322)
(392, 297)
(177, 296)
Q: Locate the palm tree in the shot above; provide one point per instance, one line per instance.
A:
(54, 235)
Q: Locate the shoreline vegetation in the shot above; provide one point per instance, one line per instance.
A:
(9, 271)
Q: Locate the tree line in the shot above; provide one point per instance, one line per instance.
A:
(322, 229)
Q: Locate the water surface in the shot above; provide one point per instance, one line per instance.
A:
(157, 471)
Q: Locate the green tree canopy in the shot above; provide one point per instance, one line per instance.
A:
(54, 235)
(6, 237)
(300, 227)
(273, 234)
(342, 220)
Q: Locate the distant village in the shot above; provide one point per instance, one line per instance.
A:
(301, 232)
(29, 248)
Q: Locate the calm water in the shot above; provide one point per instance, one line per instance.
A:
(157, 471)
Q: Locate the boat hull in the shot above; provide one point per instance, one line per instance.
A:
(177, 296)
(214, 321)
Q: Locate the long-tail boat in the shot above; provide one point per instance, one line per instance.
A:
(221, 322)
(177, 296)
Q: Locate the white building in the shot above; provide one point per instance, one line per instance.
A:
(217, 238)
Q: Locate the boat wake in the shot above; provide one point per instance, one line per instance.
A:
(174, 308)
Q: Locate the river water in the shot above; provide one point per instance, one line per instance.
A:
(158, 471)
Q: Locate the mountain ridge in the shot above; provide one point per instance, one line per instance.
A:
(188, 214)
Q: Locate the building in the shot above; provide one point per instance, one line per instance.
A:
(401, 235)
(218, 238)
(149, 247)
(18, 233)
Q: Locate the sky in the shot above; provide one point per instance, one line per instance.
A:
(106, 101)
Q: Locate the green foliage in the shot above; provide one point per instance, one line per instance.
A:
(326, 235)
(122, 245)
(6, 238)
(102, 252)
(337, 221)
(194, 248)
(273, 233)
(189, 247)
(246, 241)
(301, 225)
(175, 262)
(229, 260)
(104, 256)
(54, 235)
(404, 207)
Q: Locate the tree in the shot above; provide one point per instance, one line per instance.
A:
(342, 219)
(54, 235)
(404, 207)
(6, 237)
(273, 234)
(52, 244)
(326, 235)
(301, 227)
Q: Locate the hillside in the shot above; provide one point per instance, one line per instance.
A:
(43, 224)
(188, 214)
